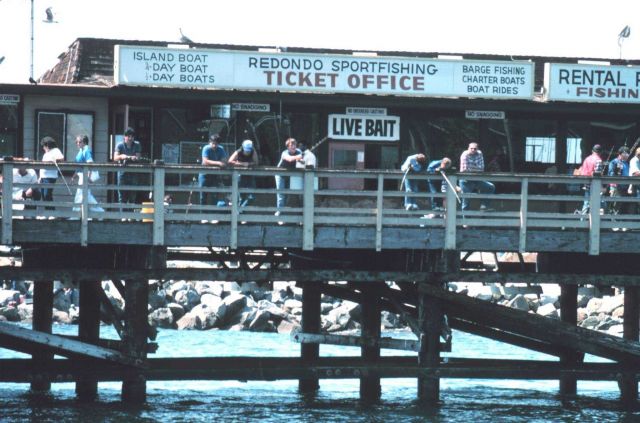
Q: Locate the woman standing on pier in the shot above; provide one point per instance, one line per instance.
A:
(49, 176)
(85, 156)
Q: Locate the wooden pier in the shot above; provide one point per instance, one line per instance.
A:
(359, 239)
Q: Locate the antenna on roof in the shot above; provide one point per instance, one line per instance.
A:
(184, 38)
(626, 31)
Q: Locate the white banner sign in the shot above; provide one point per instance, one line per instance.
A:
(484, 114)
(9, 99)
(321, 73)
(364, 127)
(250, 107)
(602, 84)
(366, 111)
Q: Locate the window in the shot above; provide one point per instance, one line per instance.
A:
(8, 130)
(64, 128)
(543, 150)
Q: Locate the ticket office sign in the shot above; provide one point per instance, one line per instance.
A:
(322, 73)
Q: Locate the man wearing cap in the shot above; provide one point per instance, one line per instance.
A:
(127, 150)
(245, 157)
(591, 166)
(213, 155)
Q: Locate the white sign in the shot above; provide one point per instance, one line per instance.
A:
(484, 114)
(250, 107)
(321, 73)
(602, 84)
(367, 111)
(9, 99)
(364, 127)
(221, 111)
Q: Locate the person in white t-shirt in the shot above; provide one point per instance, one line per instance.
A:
(28, 179)
(49, 176)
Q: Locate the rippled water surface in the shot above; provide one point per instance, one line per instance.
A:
(338, 400)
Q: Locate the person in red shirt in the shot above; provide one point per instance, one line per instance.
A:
(591, 166)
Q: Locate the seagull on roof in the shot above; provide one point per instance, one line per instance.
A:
(49, 12)
(184, 38)
(32, 81)
(1, 59)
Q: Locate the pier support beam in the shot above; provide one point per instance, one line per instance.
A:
(42, 322)
(569, 314)
(310, 324)
(136, 325)
(370, 384)
(628, 382)
(89, 331)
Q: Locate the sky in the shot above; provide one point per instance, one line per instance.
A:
(571, 28)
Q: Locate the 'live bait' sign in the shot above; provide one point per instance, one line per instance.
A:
(364, 127)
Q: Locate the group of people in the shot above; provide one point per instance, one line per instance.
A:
(214, 155)
(471, 161)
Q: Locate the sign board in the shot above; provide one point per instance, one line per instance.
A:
(366, 111)
(592, 83)
(221, 111)
(250, 107)
(321, 73)
(171, 153)
(9, 99)
(364, 127)
(484, 114)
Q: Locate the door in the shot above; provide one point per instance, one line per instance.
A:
(346, 155)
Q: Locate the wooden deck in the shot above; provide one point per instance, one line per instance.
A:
(536, 215)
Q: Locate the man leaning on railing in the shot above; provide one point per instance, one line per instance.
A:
(472, 161)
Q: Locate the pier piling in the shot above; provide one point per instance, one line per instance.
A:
(569, 314)
(370, 390)
(309, 353)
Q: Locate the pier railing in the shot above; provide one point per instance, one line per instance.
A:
(317, 197)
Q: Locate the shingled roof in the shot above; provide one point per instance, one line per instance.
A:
(89, 61)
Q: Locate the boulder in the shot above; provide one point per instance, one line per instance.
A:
(74, 313)
(616, 330)
(210, 300)
(278, 296)
(290, 304)
(590, 322)
(582, 314)
(583, 300)
(548, 310)
(519, 302)
(325, 308)
(231, 305)
(594, 305)
(161, 317)
(214, 288)
(60, 317)
(607, 323)
(287, 327)
(10, 313)
(230, 287)
(260, 322)
(62, 300)
(9, 295)
(611, 303)
(618, 313)
(188, 322)
(187, 298)
(275, 313)
(176, 310)
(295, 292)
(157, 299)
(177, 286)
(206, 315)
(389, 320)
(26, 312)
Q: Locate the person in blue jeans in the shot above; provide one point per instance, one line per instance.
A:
(126, 151)
(288, 160)
(213, 155)
(472, 161)
(245, 157)
(413, 165)
(435, 186)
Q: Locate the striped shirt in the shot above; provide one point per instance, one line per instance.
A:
(471, 162)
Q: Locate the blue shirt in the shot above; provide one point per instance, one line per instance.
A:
(84, 155)
(216, 154)
(413, 163)
(618, 167)
(122, 148)
(435, 164)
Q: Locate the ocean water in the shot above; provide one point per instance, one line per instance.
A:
(336, 401)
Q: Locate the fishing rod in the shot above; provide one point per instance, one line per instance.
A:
(316, 145)
(451, 186)
(63, 178)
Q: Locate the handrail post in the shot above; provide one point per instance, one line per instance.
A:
(7, 212)
(158, 202)
(84, 208)
(594, 216)
(524, 207)
(235, 198)
(451, 215)
(379, 211)
(308, 211)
